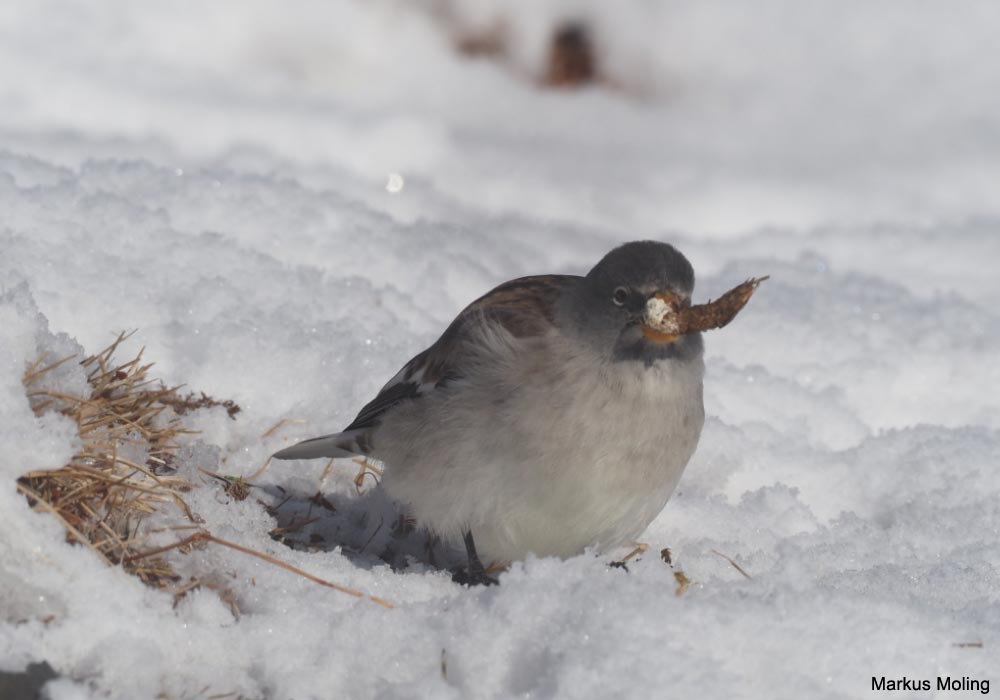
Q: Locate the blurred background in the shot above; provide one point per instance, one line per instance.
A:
(708, 117)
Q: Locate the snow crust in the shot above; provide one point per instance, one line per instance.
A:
(215, 176)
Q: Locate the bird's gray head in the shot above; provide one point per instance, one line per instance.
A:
(607, 307)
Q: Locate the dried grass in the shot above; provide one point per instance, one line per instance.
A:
(102, 497)
(192, 402)
(99, 495)
(683, 582)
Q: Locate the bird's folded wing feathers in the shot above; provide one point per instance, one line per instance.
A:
(338, 445)
(523, 307)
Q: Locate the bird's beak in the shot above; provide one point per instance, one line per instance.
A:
(660, 322)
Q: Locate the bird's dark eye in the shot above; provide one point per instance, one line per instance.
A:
(621, 296)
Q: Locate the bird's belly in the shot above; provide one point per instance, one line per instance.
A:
(552, 468)
(609, 465)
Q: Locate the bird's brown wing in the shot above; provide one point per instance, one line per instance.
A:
(523, 307)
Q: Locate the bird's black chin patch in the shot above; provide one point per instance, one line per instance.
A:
(633, 346)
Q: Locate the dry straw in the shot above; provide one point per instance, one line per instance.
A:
(101, 496)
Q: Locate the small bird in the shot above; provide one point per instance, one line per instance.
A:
(548, 418)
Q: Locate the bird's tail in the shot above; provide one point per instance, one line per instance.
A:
(350, 443)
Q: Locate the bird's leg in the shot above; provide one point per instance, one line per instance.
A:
(475, 574)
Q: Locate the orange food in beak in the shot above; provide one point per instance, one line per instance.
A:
(657, 336)
(667, 317)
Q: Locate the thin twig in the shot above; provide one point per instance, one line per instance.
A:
(32, 374)
(735, 565)
(200, 536)
(300, 572)
(260, 471)
(204, 536)
(281, 424)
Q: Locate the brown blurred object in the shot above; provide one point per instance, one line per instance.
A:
(570, 61)
(571, 57)
(491, 43)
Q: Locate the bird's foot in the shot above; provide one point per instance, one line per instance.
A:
(471, 577)
(475, 573)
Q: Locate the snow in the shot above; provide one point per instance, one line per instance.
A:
(228, 179)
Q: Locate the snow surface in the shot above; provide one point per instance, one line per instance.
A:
(288, 201)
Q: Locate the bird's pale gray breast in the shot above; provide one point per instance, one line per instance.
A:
(545, 441)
